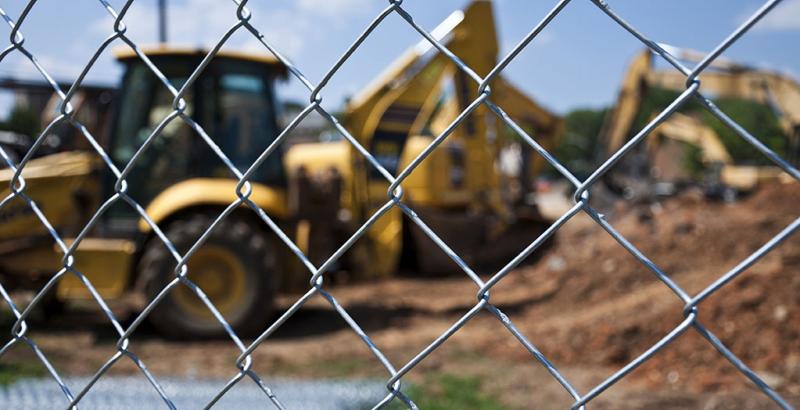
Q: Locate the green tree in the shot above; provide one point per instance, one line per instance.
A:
(579, 148)
(758, 119)
(22, 120)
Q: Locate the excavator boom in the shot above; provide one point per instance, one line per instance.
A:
(723, 79)
(399, 114)
(424, 90)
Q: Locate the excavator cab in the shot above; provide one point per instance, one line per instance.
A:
(182, 183)
(232, 100)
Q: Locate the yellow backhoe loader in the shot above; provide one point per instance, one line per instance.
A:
(663, 161)
(318, 193)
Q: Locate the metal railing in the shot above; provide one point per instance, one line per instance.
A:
(243, 366)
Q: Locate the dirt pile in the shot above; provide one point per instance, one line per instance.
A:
(587, 304)
(609, 308)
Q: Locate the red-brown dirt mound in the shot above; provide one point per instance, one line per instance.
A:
(609, 308)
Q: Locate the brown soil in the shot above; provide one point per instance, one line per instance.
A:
(588, 305)
(609, 311)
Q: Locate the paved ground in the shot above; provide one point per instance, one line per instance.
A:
(134, 393)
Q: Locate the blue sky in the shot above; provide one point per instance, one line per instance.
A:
(577, 62)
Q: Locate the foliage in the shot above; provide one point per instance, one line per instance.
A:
(693, 161)
(578, 147)
(758, 119)
(11, 372)
(22, 120)
(447, 391)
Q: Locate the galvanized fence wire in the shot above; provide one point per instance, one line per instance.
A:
(243, 366)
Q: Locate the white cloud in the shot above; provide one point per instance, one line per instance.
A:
(202, 23)
(293, 27)
(544, 38)
(16, 65)
(334, 8)
(785, 16)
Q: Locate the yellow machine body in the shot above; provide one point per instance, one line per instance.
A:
(66, 188)
(215, 192)
(417, 97)
(725, 79)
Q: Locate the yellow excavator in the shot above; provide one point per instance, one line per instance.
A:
(318, 193)
(662, 162)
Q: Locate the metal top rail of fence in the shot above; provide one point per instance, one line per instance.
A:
(243, 366)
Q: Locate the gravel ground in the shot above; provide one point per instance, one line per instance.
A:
(134, 393)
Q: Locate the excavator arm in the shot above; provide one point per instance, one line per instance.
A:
(723, 79)
(399, 114)
(619, 123)
(684, 128)
(780, 93)
(423, 91)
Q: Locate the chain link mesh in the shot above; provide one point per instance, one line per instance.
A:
(243, 366)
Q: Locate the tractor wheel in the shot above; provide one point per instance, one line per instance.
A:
(234, 268)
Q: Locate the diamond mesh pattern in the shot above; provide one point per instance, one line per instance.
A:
(243, 366)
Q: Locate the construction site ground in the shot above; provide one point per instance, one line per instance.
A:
(587, 304)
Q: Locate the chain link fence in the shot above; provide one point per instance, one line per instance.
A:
(243, 366)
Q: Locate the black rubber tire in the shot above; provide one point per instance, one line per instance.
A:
(235, 234)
